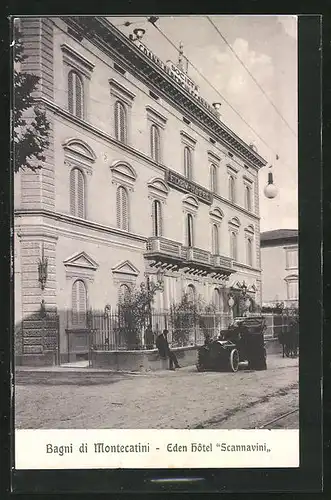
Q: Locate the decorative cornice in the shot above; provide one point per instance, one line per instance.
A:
(156, 116)
(57, 216)
(110, 40)
(213, 157)
(121, 92)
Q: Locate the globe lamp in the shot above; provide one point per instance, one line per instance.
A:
(270, 190)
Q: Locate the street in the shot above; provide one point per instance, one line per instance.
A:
(183, 399)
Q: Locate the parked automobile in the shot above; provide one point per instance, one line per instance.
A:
(242, 341)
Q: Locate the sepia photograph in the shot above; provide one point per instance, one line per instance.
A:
(156, 243)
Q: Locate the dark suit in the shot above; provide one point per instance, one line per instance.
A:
(165, 352)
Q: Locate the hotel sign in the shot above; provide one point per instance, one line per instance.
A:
(182, 184)
(178, 76)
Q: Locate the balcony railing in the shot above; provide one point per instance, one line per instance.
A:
(172, 250)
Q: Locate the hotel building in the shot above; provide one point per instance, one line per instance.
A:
(142, 177)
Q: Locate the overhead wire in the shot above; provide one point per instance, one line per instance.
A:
(252, 76)
(275, 153)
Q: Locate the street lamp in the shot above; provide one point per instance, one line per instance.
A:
(270, 190)
(138, 33)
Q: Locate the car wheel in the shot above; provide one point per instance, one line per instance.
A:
(234, 360)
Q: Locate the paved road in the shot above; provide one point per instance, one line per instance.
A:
(164, 399)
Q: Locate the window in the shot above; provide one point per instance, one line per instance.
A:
(79, 304)
(248, 198)
(249, 252)
(213, 178)
(292, 258)
(155, 143)
(122, 208)
(77, 193)
(157, 218)
(75, 94)
(124, 293)
(188, 163)
(217, 300)
(232, 189)
(191, 293)
(233, 245)
(120, 122)
(215, 242)
(190, 230)
(292, 289)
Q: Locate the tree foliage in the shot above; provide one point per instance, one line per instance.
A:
(134, 312)
(30, 124)
(189, 315)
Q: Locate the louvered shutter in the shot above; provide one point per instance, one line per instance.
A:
(117, 128)
(190, 230)
(74, 304)
(80, 194)
(157, 218)
(155, 143)
(82, 306)
(71, 92)
(119, 207)
(79, 96)
(215, 244)
(73, 192)
(125, 210)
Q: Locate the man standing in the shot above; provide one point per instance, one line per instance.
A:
(164, 350)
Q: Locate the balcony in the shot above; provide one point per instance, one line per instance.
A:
(163, 251)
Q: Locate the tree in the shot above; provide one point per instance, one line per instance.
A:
(134, 312)
(31, 134)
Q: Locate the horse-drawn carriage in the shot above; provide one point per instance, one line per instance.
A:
(242, 341)
(289, 339)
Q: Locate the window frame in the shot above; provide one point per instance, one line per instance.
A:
(75, 201)
(117, 125)
(232, 189)
(157, 218)
(119, 209)
(77, 77)
(79, 324)
(188, 163)
(189, 230)
(155, 139)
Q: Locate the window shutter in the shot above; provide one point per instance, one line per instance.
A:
(73, 191)
(80, 194)
(117, 127)
(190, 230)
(125, 215)
(215, 246)
(119, 207)
(79, 96)
(155, 143)
(71, 92)
(82, 305)
(157, 218)
(120, 122)
(74, 304)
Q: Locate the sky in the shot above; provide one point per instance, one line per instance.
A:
(267, 45)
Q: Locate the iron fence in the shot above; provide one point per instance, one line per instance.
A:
(109, 331)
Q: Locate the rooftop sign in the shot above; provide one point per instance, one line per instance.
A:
(179, 76)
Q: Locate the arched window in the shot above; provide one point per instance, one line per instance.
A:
(191, 293)
(122, 208)
(79, 304)
(249, 252)
(232, 189)
(190, 233)
(75, 94)
(188, 163)
(213, 178)
(248, 198)
(120, 122)
(215, 240)
(234, 245)
(77, 193)
(217, 300)
(157, 218)
(155, 143)
(123, 293)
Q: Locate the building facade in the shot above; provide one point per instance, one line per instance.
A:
(280, 267)
(141, 180)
